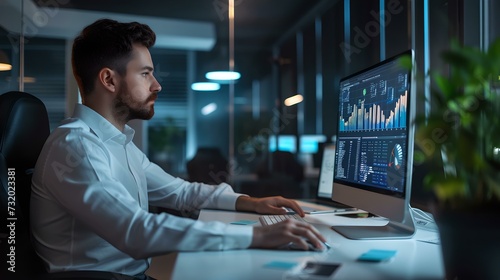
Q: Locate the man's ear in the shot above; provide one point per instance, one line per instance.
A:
(108, 79)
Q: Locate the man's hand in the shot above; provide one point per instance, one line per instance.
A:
(282, 233)
(267, 205)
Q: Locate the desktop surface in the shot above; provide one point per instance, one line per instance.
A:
(415, 258)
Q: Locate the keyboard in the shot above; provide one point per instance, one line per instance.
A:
(266, 220)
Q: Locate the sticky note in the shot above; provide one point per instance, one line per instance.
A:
(243, 222)
(377, 255)
(280, 265)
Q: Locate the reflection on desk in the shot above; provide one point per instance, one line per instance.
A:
(412, 260)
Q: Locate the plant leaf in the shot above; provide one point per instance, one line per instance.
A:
(450, 188)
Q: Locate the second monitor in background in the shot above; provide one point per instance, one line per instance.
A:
(310, 143)
(324, 184)
(323, 196)
(284, 143)
(307, 144)
(325, 178)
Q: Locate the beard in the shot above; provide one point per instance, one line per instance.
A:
(127, 108)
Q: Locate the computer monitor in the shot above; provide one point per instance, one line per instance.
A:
(310, 149)
(286, 143)
(325, 178)
(374, 155)
(309, 143)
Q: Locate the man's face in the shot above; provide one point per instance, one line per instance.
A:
(138, 89)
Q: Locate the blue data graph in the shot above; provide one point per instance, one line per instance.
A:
(374, 106)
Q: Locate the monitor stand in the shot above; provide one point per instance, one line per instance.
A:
(393, 230)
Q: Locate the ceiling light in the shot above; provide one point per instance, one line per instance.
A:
(223, 75)
(205, 86)
(208, 109)
(294, 100)
(4, 62)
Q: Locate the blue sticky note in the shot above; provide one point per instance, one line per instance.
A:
(280, 265)
(377, 255)
(243, 222)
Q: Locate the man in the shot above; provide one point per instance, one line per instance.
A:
(92, 186)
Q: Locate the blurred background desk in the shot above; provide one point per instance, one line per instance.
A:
(415, 258)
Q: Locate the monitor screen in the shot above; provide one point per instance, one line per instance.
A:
(309, 143)
(286, 143)
(375, 140)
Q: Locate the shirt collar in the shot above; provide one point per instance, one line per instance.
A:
(102, 127)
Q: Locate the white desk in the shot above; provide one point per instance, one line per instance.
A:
(414, 259)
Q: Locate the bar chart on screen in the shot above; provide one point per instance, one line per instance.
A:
(380, 106)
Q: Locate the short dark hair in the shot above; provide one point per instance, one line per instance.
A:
(106, 43)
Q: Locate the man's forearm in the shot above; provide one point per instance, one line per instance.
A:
(245, 203)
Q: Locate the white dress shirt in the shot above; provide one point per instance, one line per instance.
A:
(90, 196)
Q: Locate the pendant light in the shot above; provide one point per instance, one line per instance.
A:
(205, 86)
(4, 62)
(229, 74)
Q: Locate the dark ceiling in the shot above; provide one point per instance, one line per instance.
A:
(259, 24)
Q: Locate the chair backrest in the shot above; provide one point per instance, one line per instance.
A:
(208, 166)
(24, 127)
(282, 164)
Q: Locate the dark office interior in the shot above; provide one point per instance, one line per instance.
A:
(245, 133)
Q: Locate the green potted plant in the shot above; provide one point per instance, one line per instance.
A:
(463, 132)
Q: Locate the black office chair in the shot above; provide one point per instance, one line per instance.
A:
(208, 166)
(281, 174)
(24, 128)
(282, 163)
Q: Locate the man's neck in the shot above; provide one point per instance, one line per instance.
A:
(116, 119)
